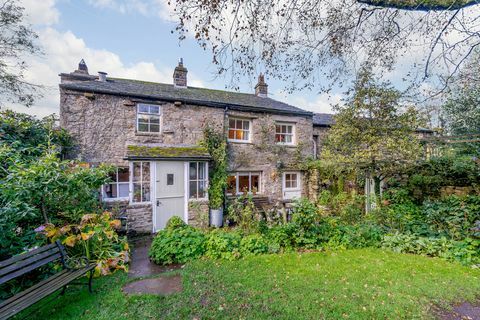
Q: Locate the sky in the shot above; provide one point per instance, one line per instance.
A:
(127, 39)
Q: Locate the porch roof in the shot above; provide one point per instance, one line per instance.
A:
(145, 152)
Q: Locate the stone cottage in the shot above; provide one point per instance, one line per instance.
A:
(151, 133)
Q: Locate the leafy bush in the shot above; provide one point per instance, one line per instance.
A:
(95, 238)
(281, 237)
(466, 251)
(355, 236)
(177, 245)
(244, 214)
(222, 244)
(253, 244)
(175, 222)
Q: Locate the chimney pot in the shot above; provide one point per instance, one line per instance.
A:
(180, 75)
(261, 88)
(102, 76)
(82, 67)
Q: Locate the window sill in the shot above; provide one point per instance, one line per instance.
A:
(240, 141)
(149, 134)
(139, 204)
(286, 145)
(115, 199)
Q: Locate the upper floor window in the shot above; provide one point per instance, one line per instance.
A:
(239, 130)
(197, 180)
(141, 181)
(148, 118)
(285, 133)
(118, 188)
(243, 182)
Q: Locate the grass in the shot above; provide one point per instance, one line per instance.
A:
(351, 284)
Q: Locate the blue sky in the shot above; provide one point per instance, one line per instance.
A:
(126, 38)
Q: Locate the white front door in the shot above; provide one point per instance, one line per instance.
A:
(291, 185)
(170, 192)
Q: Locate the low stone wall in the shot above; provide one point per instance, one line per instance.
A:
(139, 218)
(198, 212)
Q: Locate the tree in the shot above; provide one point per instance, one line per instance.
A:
(373, 132)
(305, 42)
(17, 40)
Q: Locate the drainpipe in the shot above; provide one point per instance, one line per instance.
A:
(314, 148)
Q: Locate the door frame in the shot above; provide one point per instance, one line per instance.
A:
(153, 183)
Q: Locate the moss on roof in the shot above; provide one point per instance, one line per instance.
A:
(166, 152)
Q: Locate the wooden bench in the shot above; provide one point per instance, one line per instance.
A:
(26, 262)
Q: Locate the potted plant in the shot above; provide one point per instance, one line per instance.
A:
(216, 144)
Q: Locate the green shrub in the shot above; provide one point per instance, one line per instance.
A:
(466, 251)
(175, 222)
(281, 237)
(177, 245)
(355, 236)
(222, 244)
(245, 214)
(253, 244)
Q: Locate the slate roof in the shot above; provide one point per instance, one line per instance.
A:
(323, 119)
(192, 95)
(156, 152)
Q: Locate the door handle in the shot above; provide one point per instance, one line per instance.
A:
(158, 203)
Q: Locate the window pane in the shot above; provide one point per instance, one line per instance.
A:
(110, 190)
(169, 179)
(232, 184)
(146, 192)
(193, 189)
(238, 125)
(154, 109)
(238, 135)
(123, 175)
(146, 171)
(245, 135)
(142, 127)
(193, 170)
(113, 176)
(243, 183)
(289, 129)
(154, 128)
(231, 134)
(201, 189)
(284, 129)
(201, 170)
(278, 129)
(136, 171)
(256, 182)
(137, 192)
(246, 125)
(288, 139)
(154, 120)
(123, 190)
(231, 123)
(143, 108)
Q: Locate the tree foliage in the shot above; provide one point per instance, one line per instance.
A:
(17, 40)
(307, 42)
(373, 131)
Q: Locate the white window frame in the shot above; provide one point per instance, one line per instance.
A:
(205, 170)
(104, 195)
(249, 174)
(141, 182)
(293, 134)
(151, 114)
(249, 130)
(299, 181)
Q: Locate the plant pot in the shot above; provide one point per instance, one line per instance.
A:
(216, 217)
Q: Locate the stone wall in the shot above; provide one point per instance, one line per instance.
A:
(320, 133)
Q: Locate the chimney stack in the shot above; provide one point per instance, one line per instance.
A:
(102, 76)
(261, 88)
(180, 75)
(82, 67)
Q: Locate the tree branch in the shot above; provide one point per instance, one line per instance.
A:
(421, 5)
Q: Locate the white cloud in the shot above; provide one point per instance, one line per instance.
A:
(322, 103)
(63, 51)
(41, 12)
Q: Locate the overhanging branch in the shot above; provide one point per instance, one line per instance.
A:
(421, 5)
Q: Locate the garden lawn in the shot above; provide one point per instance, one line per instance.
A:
(351, 284)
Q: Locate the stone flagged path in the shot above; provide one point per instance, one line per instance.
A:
(141, 267)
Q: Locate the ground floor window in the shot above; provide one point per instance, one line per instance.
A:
(197, 180)
(242, 182)
(141, 181)
(119, 187)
